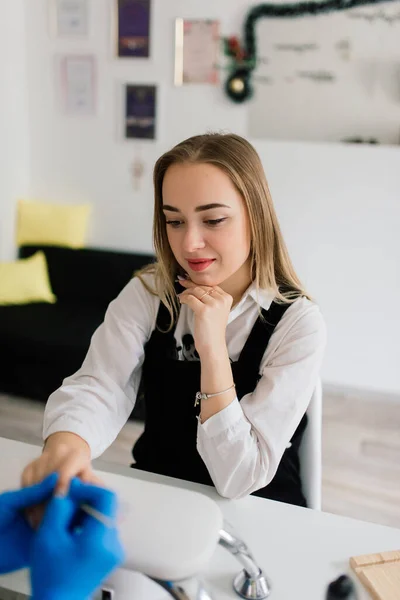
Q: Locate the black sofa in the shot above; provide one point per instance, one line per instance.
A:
(41, 343)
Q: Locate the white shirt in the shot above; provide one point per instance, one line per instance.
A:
(241, 445)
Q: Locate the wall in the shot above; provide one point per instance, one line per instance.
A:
(14, 129)
(340, 213)
(75, 159)
(339, 205)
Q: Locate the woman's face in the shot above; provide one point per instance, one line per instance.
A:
(207, 225)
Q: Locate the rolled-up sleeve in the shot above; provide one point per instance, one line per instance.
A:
(243, 444)
(97, 400)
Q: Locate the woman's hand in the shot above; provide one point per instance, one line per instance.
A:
(211, 307)
(69, 456)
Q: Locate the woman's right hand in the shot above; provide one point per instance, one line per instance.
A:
(69, 456)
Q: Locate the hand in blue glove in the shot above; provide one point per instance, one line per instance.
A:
(70, 562)
(15, 533)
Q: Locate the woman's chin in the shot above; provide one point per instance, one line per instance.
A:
(209, 280)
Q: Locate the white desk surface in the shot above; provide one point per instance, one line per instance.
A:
(299, 550)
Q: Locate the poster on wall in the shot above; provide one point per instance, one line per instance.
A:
(140, 112)
(78, 84)
(133, 28)
(197, 45)
(70, 17)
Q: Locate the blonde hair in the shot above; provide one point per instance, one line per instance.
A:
(271, 267)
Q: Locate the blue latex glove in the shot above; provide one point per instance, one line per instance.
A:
(15, 533)
(70, 562)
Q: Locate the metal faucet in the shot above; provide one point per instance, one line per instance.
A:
(250, 584)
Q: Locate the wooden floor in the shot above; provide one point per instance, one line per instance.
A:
(361, 458)
(361, 451)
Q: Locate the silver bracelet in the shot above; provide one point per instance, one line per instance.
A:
(202, 396)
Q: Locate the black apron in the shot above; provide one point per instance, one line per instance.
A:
(168, 443)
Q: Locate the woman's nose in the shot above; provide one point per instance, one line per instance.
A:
(193, 240)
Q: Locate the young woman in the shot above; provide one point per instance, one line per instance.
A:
(220, 332)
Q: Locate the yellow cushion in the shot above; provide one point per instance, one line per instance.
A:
(40, 223)
(26, 280)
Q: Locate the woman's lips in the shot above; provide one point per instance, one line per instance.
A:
(200, 264)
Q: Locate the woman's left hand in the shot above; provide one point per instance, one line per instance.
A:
(211, 307)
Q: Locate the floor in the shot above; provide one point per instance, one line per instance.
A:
(361, 451)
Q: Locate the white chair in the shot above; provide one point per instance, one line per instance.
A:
(310, 452)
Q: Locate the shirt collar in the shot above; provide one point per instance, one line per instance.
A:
(261, 297)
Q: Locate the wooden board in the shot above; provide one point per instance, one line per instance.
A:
(380, 574)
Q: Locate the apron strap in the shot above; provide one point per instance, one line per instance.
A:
(257, 342)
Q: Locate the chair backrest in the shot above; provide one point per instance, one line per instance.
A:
(310, 451)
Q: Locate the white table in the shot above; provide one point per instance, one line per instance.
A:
(300, 550)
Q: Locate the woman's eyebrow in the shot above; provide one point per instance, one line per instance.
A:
(198, 208)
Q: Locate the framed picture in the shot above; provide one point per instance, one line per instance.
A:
(78, 84)
(197, 45)
(133, 28)
(140, 112)
(70, 17)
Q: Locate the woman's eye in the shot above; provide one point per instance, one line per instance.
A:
(174, 223)
(214, 222)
